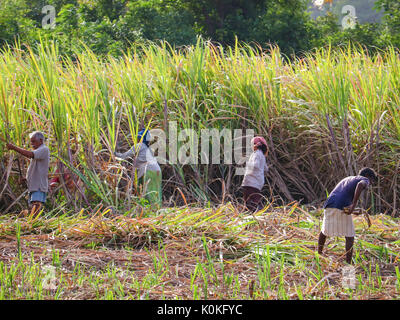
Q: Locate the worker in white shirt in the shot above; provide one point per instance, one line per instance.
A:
(149, 171)
(256, 168)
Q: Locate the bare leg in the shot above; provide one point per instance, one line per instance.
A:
(321, 242)
(349, 249)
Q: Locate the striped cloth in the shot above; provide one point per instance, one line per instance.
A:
(337, 224)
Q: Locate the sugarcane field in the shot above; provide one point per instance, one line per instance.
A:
(203, 171)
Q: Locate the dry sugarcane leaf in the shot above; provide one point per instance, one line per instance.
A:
(366, 216)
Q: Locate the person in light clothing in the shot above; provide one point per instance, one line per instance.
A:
(343, 198)
(253, 180)
(37, 174)
(148, 170)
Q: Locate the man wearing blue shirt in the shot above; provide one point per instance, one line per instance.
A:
(345, 195)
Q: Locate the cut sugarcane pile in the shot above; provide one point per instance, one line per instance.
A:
(191, 253)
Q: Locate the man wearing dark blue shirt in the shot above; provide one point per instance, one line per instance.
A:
(337, 221)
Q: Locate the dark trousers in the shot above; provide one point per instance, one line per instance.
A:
(252, 197)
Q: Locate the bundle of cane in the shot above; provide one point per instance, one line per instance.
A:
(359, 211)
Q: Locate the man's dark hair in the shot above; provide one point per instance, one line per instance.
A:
(263, 148)
(368, 173)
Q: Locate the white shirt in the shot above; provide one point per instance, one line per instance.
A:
(143, 159)
(256, 167)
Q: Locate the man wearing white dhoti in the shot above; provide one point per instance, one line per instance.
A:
(345, 195)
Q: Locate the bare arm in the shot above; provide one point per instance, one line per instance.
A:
(361, 186)
(129, 154)
(25, 153)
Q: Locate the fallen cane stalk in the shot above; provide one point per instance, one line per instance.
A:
(366, 216)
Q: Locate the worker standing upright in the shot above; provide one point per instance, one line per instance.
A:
(37, 174)
(256, 168)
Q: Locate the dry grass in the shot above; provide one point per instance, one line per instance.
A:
(194, 253)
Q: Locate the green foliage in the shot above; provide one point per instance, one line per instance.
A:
(13, 21)
(327, 30)
(391, 19)
(280, 22)
(154, 20)
(91, 102)
(222, 20)
(285, 23)
(365, 10)
(112, 26)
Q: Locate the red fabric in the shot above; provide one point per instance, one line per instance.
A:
(258, 141)
(251, 197)
(56, 179)
(67, 179)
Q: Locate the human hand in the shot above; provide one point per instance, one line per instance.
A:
(348, 210)
(118, 156)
